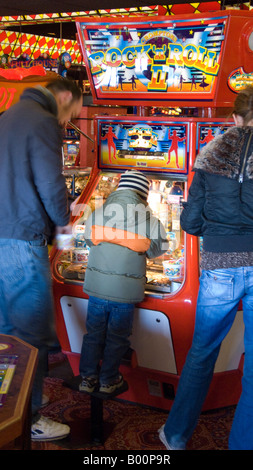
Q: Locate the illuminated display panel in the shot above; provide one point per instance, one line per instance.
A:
(207, 131)
(157, 144)
(149, 59)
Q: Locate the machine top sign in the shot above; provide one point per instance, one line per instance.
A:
(159, 59)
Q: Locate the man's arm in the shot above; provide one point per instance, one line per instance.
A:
(46, 164)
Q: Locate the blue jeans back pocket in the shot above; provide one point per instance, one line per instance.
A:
(11, 266)
(218, 284)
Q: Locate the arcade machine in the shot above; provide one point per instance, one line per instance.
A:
(180, 62)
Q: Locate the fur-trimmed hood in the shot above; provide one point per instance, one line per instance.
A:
(224, 155)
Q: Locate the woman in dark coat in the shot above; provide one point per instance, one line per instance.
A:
(220, 209)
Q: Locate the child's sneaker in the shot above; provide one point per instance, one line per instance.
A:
(46, 429)
(111, 387)
(88, 384)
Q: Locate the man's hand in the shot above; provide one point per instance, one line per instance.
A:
(67, 229)
(74, 203)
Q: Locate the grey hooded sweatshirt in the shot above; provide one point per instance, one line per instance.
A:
(33, 192)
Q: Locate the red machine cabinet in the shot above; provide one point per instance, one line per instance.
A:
(188, 63)
(164, 321)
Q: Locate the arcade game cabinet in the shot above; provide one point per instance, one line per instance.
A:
(173, 62)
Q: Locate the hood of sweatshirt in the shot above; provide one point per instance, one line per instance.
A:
(43, 96)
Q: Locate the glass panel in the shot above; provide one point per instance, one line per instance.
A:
(165, 273)
(76, 180)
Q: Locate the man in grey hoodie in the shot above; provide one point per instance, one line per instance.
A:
(33, 206)
(121, 234)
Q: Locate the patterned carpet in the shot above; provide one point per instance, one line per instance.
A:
(126, 426)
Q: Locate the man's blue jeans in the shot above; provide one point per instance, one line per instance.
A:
(108, 324)
(219, 295)
(26, 304)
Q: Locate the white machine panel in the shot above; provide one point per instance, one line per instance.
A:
(74, 312)
(232, 347)
(151, 337)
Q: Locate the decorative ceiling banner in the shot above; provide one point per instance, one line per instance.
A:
(150, 10)
(188, 8)
(14, 45)
(68, 16)
(182, 59)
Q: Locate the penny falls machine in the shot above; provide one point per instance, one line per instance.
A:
(180, 75)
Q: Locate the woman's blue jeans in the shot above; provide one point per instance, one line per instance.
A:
(219, 295)
(26, 302)
(108, 324)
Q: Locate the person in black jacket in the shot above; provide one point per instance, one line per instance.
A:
(220, 209)
(34, 206)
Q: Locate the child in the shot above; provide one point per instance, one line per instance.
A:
(121, 234)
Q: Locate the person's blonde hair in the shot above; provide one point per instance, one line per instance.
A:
(243, 105)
